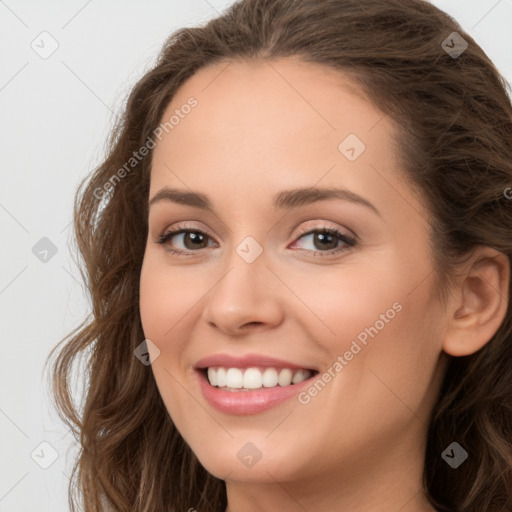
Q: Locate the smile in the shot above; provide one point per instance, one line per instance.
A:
(250, 384)
(239, 379)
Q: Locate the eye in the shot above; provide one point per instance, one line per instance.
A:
(192, 238)
(326, 239)
(324, 242)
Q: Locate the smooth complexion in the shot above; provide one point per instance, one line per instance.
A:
(260, 128)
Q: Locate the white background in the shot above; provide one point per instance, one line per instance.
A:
(55, 116)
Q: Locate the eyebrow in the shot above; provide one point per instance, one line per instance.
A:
(286, 199)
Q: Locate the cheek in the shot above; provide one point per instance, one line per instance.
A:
(162, 306)
(339, 303)
(166, 295)
(383, 320)
(153, 304)
(394, 372)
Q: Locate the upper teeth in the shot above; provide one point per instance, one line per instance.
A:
(254, 378)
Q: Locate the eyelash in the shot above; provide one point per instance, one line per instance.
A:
(348, 240)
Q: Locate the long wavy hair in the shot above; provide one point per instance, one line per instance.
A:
(454, 141)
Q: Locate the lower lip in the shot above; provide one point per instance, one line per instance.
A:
(248, 402)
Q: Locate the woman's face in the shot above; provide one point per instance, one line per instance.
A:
(260, 280)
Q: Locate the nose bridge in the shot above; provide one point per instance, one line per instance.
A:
(243, 294)
(246, 272)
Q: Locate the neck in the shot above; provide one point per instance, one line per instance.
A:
(287, 497)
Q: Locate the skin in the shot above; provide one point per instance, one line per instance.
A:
(259, 128)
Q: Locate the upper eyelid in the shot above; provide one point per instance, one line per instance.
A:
(324, 224)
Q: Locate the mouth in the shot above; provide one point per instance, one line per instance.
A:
(236, 379)
(251, 390)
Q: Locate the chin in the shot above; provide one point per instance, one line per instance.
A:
(244, 462)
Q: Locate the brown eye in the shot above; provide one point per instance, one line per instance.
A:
(191, 240)
(327, 241)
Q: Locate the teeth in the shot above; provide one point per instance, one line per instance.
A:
(300, 376)
(234, 378)
(285, 377)
(252, 378)
(255, 378)
(220, 376)
(212, 376)
(270, 378)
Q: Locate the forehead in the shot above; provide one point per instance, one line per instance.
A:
(274, 103)
(261, 126)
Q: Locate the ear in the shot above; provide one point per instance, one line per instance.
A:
(479, 302)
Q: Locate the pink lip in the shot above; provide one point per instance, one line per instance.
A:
(248, 402)
(247, 361)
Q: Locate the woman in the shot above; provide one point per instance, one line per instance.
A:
(298, 252)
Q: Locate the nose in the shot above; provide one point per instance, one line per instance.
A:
(246, 297)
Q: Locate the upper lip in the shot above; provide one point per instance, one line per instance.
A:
(247, 361)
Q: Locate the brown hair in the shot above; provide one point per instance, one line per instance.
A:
(454, 126)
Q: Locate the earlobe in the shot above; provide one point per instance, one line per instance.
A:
(479, 303)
